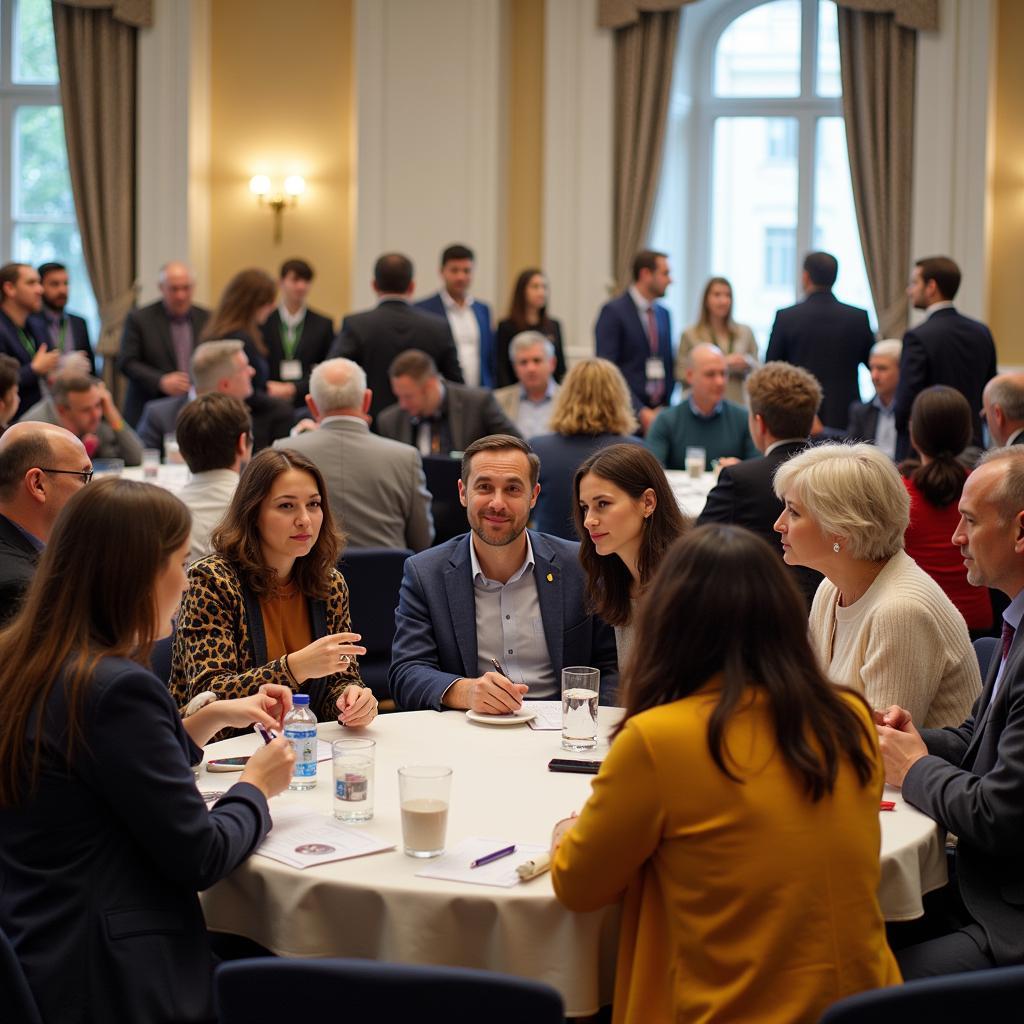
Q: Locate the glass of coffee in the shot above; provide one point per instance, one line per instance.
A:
(424, 792)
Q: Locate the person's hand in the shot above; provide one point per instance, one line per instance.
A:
(901, 749)
(302, 427)
(894, 717)
(647, 417)
(280, 389)
(727, 460)
(45, 361)
(270, 768)
(325, 657)
(76, 362)
(559, 832)
(490, 694)
(357, 706)
(735, 361)
(240, 712)
(277, 701)
(176, 383)
(110, 413)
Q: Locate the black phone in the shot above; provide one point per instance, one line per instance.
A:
(227, 764)
(565, 764)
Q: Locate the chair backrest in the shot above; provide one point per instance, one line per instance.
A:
(374, 576)
(160, 658)
(442, 476)
(257, 991)
(18, 1002)
(985, 647)
(976, 995)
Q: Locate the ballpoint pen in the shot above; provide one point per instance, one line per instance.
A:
(491, 857)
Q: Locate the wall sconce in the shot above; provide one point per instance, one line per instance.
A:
(293, 187)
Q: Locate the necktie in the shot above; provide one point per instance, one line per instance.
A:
(655, 388)
(1007, 638)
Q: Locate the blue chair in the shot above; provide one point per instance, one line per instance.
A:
(442, 476)
(374, 576)
(18, 1002)
(985, 647)
(977, 995)
(269, 991)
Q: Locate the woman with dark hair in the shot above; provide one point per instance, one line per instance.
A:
(528, 311)
(269, 606)
(940, 429)
(736, 813)
(104, 838)
(627, 518)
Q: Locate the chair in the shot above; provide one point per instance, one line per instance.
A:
(976, 995)
(442, 476)
(160, 658)
(374, 576)
(985, 647)
(258, 991)
(18, 1002)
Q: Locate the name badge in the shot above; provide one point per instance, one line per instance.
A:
(655, 369)
(291, 369)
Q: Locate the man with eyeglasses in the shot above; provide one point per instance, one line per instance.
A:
(41, 466)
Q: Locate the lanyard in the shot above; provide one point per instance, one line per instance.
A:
(290, 337)
(61, 333)
(28, 342)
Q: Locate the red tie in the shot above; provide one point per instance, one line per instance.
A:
(1007, 637)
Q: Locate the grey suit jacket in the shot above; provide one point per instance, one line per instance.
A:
(376, 487)
(972, 783)
(124, 444)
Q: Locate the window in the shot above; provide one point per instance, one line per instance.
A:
(779, 257)
(37, 211)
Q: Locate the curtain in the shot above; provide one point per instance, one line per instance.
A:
(96, 60)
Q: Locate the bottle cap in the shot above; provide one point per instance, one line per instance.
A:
(301, 699)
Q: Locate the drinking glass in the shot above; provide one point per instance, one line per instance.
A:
(581, 688)
(108, 467)
(172, 454)
(150, 463)
(695, 461)
(424, 793)
(353, 779)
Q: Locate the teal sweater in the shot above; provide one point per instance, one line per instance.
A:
(677, 428)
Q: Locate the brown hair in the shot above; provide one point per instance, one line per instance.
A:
(633, 469)
(593, 399)
(647, 259)
(239, 303)
(207, 430)
(517, 306)
(941, 428)
(91, 598)
(237, 536)
(10, 273)
(499, 443)
(412, 363)
(704, 318)
(943, 271)
(721, 574)
(785, 397)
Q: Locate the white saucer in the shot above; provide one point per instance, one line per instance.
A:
(515, 718)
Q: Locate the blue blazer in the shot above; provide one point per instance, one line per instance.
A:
(435, 622)
(621, 338)
(79, 335)
(482, 312)
(10, 344)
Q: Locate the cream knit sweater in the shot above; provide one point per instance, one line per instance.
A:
(902, 643)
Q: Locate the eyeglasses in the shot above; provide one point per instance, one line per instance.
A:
(85, 474)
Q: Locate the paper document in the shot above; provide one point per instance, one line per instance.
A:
(548, 712)
(453, 866)
(302, 839)
(323, 751)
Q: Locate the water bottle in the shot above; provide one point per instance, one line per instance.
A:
(300, 731)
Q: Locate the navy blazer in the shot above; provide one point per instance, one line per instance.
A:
(862, 423)
(488, 353)
(11, 344)
(435, 622)
(313, 345)
(100, 867)
(621, 338)
(159, 418)
(18, 560)
(79, 330)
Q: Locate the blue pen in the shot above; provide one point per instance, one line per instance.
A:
(491, 857)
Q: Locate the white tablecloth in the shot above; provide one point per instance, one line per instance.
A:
(375, 907)
(691, 492)
(171, 477)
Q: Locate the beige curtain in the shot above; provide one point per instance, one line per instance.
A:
(96, 60)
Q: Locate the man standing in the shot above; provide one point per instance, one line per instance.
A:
(21, 295)
(376, 485)
(502, 594)
(1003, 409)
(469, 319)
(529, 403)
(157, 341)
(67, 333)
(826, 337)
(948, 348)
(875, 421)
(634, 332)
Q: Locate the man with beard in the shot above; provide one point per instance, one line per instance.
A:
(67, 332)
(493, 616)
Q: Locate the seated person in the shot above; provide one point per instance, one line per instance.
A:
(269, 606)
(732, 738)
(705, 418)
(449, 627)
(1003, 409)
(10, 400)
(83, 405)
(875, 421)
(783, 400)
(215, 439)
(437, 416)
(879, 623)
(105, 841)
(530, 402)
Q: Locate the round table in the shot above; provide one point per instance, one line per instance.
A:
(375, 907)
(691, 493)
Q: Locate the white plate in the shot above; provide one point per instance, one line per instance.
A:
(516, 718)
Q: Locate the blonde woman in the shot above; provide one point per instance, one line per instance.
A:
(880, 624)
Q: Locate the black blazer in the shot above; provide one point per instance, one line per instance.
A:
(948, 348)
(159, 418)
(507, 330)
(18, 558)
(101, 866)
(744, 496)
(147, 353)
(829, 339)
(373, 339)
(312, 348)
(79, 335)
(862, 423)
(11, 344)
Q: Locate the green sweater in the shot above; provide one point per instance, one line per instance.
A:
(677, 428)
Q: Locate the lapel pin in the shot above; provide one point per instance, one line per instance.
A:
(551, 578)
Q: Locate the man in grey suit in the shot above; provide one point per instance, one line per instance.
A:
(971, 779)
(375, 485)
(530, 402)
(437, 416)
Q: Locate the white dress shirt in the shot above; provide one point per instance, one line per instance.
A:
(466, 332)
(207, 496)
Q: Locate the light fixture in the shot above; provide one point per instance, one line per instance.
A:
(293, 187)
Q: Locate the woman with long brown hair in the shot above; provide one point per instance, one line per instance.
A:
(736, 813)
(269, 606)
(528, 311)
(104, 838)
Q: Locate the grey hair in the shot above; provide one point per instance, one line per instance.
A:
(887, 348)
(212, 361)
(1009, 496)
(527, 339)
(328, 395)
(1006, 392)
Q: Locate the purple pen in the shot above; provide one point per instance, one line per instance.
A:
(491, 857)
(263, 734)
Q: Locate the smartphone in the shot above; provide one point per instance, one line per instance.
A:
(227, 764)
(564, 764)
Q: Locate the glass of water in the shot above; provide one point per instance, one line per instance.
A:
(695, 461)
(581, 687)
(150, 463)
(353, 779)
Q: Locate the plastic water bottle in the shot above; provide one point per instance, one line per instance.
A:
(300, 731)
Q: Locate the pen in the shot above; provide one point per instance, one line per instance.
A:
(263, 734)
(497, 667)
(491, 857)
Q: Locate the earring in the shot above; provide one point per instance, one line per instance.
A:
(835, 547)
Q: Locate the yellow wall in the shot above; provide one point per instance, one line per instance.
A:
(282, 101)
(1006, 241)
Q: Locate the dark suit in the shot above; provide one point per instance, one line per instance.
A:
(312, 347)
(862, 424)
(507, 330)
(621, 337)
(744, 496)
(73, 325)
(12, 345)
(435, 635)
(147, 353)
(434, 305)
(102, 864)
(828, 339)
(467, 413)
(948, 348)
(373, 339)
(18, 558)
(160, 417)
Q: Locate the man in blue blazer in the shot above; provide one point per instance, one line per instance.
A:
(499, 594)
(469, 319)
(21, 336)
(66, 331)
(635, 333)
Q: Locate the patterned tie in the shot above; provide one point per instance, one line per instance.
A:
(1007, 638)
(655, 388)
